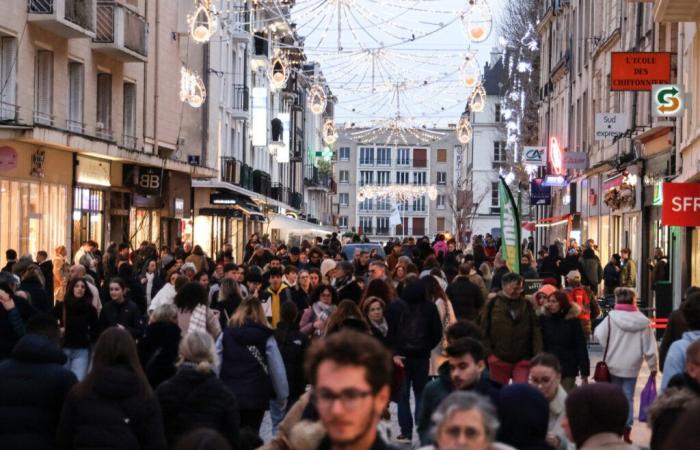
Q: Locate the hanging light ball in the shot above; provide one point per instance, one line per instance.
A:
(464, 129)
(278, 71)
(477, 101)
(469, 71)
(478, 21)
(192, 88)
(330, 133)
(203, 23)
(317, 99)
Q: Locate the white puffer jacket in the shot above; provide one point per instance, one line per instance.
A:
(631, 342)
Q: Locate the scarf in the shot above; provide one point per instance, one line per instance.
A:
(149, 286)
(382, 326)
(323, 311)
(276, 302)
(198, 319)
(626, 307)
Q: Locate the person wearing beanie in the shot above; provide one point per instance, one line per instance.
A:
(540, 297)
(524, 415)
(596, 417)
(327, 265)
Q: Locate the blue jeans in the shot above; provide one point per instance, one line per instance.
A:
(416, 375)
(78, 361)
(276, 415)
(627, 385)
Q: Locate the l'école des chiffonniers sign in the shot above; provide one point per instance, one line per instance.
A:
(638, 71)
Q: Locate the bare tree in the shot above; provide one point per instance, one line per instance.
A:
(463, 203)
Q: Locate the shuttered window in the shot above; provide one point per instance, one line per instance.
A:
(43, 93)
(420, 157)
(103, 127)
(76, 94)
(129, 115)
(8, 78)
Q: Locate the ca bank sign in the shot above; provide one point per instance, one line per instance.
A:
(535, 156)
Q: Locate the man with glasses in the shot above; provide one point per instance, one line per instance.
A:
(350, 373)
(512, 332)
(377, 270)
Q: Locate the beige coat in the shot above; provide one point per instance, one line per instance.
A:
(606, 441)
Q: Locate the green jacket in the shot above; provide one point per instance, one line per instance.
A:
(511, 339)
(628, 276)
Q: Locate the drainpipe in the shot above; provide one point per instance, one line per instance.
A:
(155, 84)
(145, 82)
(205, 111)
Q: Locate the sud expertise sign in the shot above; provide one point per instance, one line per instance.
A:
(681, 204)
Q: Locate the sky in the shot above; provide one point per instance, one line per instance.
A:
(411, 47)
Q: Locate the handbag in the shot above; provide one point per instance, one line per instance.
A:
(647, 397)
(602, 372)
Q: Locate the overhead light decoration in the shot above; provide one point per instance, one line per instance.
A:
(398, 192)
(278, 71)
(464, 129)
(330, 133)
(203, 22)
(477, 101)
(477, 21)
(316, 100)
(469, 71)
(192, 88)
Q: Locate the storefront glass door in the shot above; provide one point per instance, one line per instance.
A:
(88, 216)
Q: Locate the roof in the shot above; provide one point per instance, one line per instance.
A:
(493, 76)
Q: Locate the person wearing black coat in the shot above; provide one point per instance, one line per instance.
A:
(14, 313)
(34, 286)
(292, 344)
(46, 266)
(195, 397)
(345, 283)
(466, 297)
(562, 335)
(120, 311)
(33, 388)
(549, 266)
(114, 407)
(135, 290)
(158, 348)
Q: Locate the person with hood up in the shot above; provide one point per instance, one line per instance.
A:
(344, 282)
(159, 346)
(195, 397)
(251, 364)
(592, 270)
(676, 358)
(595, 417)
(524, 415)
(581, 295)
(34, 387)
(539, 298)
(627, 340)
(545, 375)
(562, 336)
(466, 297)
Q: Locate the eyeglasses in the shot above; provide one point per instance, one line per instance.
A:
(349, 398)
(468, 432)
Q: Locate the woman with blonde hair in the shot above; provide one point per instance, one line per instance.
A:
(251, 363)
(195, 397)
(158, 349)
(61, 270)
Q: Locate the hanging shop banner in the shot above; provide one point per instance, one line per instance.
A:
(681, 205)
(539, 193)
(667, 100)
(510, 227)
(92, 171)
(576, 160)
(610, 125)
(532, 285)
(638, 71)
(535, 156)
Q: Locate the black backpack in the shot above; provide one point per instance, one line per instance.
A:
(413, 333)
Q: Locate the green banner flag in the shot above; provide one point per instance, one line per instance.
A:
(510, 227)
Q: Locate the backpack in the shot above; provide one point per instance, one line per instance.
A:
(579, 296)
(413, 333)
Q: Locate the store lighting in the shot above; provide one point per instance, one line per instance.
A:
(77, 215)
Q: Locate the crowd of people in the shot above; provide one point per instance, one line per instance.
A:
(151, 348)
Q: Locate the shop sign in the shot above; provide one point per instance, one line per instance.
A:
(8, 158)
(532, 285)
(576, 160)
(681, 204)
(535, 156)
(179, 207)
(149, 180)
(610, 125)
(38, 163)
(539, 193)
(613, 182)
(92, 171)
(667, 100)
(638, 71)
(555, 181)
(555, 157)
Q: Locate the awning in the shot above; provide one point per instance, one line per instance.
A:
(290, 224)
(221, 212)
(216, 184)
(251, 211)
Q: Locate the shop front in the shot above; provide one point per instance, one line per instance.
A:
(93, 180)
(35, 198)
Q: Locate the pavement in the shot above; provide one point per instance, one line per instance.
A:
(641, 434)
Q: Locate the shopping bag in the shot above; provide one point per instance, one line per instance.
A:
(647, 398)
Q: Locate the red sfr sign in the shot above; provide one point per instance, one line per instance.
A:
(681, 204)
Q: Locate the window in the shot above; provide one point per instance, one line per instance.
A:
(365, 225)
(402, 177)
(442, 178)
(129, 130)
(497, 112)
(344, 199)
(440, 201)
(367, 155)
(76, 94)
(43, 93)
(384, 156)
(382, 225)
(383, 178)
(419, 178)
(499, 151)
(8, 78)
(403, 157)
(343, 221)
(367, 204)
(344, 176)
(384, 204)
(420, 157)
(418, 226)
(402, 205)
(366, 177)
(440, 224)
(419, 204)
(442, 155)
(103, 127)
(494, 194)
(344, 153)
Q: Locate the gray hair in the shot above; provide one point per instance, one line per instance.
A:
(164, 313)
(625, 295)
(466, 401)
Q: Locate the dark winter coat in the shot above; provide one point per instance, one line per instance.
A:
(12, 324)
(511, 339)
(379, 444)
(157, 285)
(592, 269)
(496, 279)
(351, 291)
(611, 276)
(111, 415)
(226, 309)
(401, 312)
(466, 297)
(241, 371)
(33, 387)
(191, 399)
(81, 323)
(126, 314)
(562, 335)
(300, 298)
(571, 262)
(158, 351)
(38, 296)
(47, 270)
(293, 344)
(674, 331)
(549, 267)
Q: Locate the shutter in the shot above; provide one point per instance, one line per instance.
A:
(104, 102)
(76, 88)
(420, 157)
(8, 78)
(44, 85)
(130, 109)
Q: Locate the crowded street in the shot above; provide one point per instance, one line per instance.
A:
(349, 225)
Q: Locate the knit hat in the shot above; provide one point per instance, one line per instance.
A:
(573, 275)
(546, 289)
(596, 408)
(524, 415)
(326, 266)
(187, 266)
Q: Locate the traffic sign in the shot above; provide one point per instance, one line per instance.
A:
(667, 100)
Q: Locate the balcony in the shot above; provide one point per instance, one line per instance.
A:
(240, 99)
(237, 23)
(280, 192)
(261, 183)
(121, 33)
(246, 180)
(313, 179)
(676, 11)
(66, 18)
(8, 112)
(230, 170)
(382, 232)
(296, 200)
